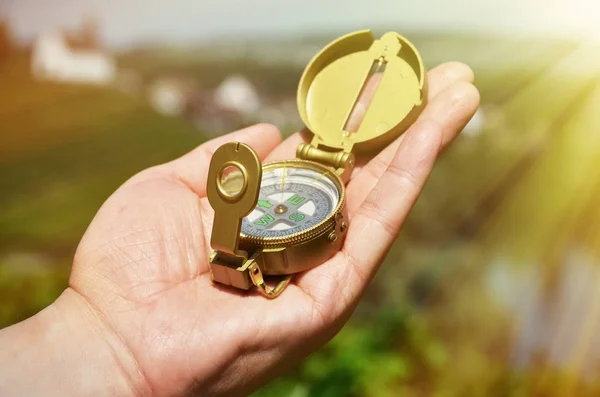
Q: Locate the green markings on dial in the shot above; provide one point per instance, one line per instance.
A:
(295, 199)
(264, 220)
(263, 204)
(297, 217)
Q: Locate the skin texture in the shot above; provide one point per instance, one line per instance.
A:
(141, 315)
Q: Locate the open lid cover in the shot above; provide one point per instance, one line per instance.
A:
(335, 78)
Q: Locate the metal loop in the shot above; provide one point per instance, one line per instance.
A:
(257, 279)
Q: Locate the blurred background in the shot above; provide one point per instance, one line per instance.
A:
(493, 287)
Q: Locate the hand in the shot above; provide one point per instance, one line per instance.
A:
(141, 312)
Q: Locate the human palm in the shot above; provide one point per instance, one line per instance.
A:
(142, 266)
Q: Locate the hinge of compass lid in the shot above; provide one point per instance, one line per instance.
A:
(338, 159)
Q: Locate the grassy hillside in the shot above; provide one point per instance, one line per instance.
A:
(63, 150)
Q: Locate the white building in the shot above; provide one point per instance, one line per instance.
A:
(282, 112)
(173, 95)
(53, 59)
(167, 97)
(237, 94)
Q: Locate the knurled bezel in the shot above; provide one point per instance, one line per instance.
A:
(312, 232)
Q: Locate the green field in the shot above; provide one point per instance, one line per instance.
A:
(484, 252)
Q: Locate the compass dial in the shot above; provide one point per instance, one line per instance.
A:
(292, 199)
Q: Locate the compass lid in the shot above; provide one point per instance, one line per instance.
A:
(335, 78)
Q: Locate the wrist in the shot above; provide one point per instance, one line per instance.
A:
(66, 349)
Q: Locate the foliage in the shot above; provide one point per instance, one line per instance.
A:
(375, 359)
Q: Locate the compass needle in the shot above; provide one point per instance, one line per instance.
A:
(319, 177)
(283, 179)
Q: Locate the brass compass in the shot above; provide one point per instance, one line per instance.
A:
(285, 217)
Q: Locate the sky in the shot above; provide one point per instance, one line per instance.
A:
(129, 22)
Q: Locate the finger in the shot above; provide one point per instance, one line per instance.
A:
(451, 110)
(392, 194)
(191, 168)
(446, 74)
(385, 208)
(439, 78)
(379, 218)
(375, 225)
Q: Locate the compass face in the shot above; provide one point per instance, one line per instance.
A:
(291, 200)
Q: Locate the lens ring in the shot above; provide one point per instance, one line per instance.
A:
(223, 192)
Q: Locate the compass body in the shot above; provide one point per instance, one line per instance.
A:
(298, 218)
(286, 217)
